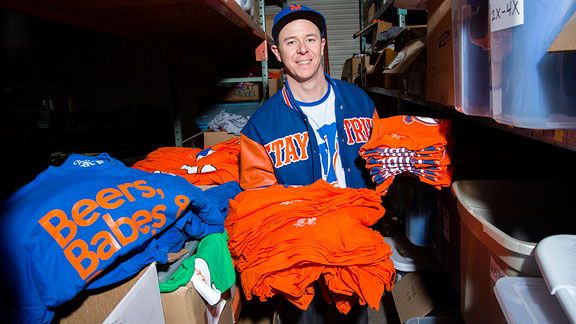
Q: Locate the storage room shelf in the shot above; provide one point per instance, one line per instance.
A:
(173, 20)
(565, 138)
(382, 7)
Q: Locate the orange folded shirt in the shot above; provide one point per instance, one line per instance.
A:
(417, 145)
(282, 239)
(212, 166)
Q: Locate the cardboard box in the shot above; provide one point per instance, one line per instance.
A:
(213, 138)
(208, 138)
(269, 24)
(239, 92)
(404, 60)
(406, 72)
(566, 40)
(142, 304)
(354, 67)
(185, 305)
(392, 81)
(440, 62)
(95, 306)
(370, 14)
(380, 27)
(275, 81)
(411, 297)
(373, 75)
(413, 81)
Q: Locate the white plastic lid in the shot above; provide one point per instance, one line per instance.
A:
(556, 257)
(408, 257)
(527, 300)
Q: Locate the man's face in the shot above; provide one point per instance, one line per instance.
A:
(300, 49)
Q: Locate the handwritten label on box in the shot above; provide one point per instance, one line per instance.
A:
(506, 14)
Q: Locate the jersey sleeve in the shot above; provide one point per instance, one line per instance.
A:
(256, 168)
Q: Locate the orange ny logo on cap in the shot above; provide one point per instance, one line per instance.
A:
(295, 7)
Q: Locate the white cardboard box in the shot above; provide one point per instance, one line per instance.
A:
(142, 304)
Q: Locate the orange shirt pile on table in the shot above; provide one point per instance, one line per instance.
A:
(282, 239)
(408, 144)
(214, 165)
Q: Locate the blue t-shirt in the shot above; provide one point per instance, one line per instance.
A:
(67, 228)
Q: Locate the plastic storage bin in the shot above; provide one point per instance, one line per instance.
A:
(447, 238)
(421, 214)
(527, 301)
(410, 258)
(471, 34)
(556, 258)
(532, 88)
(501, 221)
(435, 320)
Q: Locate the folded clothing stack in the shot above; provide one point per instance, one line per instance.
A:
(417, 145)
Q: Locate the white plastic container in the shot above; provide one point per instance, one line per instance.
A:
(532, 88)
(408, 257)
(528, 301)
(556, 256)
(501, 222)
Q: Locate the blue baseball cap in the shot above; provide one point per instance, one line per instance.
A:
(297, 11)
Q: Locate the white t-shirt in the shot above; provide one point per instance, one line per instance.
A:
(322, 117)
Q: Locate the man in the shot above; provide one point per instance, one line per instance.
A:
(310, 130)
(314, 127)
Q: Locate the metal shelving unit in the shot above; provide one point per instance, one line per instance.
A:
(208, 21)
(365, 4)
(565, 138)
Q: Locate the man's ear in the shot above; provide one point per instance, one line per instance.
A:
(276, 52)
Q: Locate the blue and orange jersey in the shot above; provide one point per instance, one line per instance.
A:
(278, 145)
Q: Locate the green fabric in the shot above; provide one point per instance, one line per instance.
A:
(214, 250)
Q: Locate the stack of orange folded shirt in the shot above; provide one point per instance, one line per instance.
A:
(212, 166)
(282, 239)
(417, 145)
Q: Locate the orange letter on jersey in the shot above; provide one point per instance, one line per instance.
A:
(348, 128)
(302, 139)
(82, 254)
(290, 154)
(63, 224)
(115, 227)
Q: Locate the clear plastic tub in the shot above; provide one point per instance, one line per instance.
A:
(528, 301)
(501, 223)
(435, 320)
(471, 57)
(532, 88)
